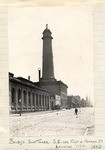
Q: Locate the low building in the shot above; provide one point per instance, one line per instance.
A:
(27, 97)
(77, 101)
(74, 101)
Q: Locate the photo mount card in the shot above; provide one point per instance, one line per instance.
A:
(52, 77)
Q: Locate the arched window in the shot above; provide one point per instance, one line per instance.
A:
(36, 99)
(19, 95)
(39, 100)
(42, 100)
(45, 101)
(24, 97)
(48, 101)
(13, 95)
(33, 99)
(29, 98)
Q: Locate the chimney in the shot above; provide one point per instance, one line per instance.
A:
(39, 74)
(28, 77)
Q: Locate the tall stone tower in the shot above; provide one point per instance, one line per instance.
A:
(57, 89)
(47, 64)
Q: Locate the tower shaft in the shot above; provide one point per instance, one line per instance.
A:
(47, 64)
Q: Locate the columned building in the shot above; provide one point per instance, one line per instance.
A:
(25, 96)
(48, 81)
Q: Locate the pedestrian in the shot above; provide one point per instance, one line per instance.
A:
(76, 111)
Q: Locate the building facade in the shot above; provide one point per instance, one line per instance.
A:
(56, 88)
(26, 97)
(74, 101)
(77, 101)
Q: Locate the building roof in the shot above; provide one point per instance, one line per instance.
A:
(25, 82)
(51, 83)
(47, 29)
(62, 83)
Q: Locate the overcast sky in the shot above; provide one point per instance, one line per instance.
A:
(72, 32)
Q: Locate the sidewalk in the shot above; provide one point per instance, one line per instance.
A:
(36, 113)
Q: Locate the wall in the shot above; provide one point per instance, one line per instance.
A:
(35, 96)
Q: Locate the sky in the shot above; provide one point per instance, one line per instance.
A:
(72, 44)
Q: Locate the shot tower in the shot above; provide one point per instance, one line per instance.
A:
(48, 82)
(47, 65)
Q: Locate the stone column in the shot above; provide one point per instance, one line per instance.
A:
(49, 103)
(38, 102)
(22, 99)
(41, 102)
(16, 98)
(26, 100)
(34, 101)
(31, 99)
(44, 101)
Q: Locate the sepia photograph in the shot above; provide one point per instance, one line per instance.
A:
(52, 75)
(51, 71)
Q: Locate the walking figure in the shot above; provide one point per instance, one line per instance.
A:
(76, 111)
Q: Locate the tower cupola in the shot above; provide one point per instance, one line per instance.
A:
(47, 33)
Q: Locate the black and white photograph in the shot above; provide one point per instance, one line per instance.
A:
(51, 79)
(52, 75)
